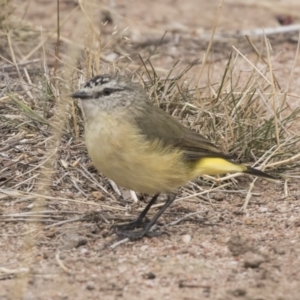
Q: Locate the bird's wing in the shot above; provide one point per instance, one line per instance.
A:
(157, 124)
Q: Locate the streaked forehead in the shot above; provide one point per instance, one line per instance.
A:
(98, 80)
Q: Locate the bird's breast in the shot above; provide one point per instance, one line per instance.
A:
(120, 152)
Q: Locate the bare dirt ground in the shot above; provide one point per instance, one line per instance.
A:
(219, 253)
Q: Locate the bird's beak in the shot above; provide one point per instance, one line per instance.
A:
(80, 95)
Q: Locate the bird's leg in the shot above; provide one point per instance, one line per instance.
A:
(138, 222)
(146, 230)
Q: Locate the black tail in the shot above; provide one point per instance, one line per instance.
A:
(259, 173)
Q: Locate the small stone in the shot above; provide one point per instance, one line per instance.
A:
(239, 245)
(263, 209)
(219, 196)
(72, 240)
(272, 207)
(238, 292)
(149, 275)
(97, 195)
(51, 233)
(90, 285)
(84, 251)
(281, 250)
(253, 260)
(186, 238)
(144, 248)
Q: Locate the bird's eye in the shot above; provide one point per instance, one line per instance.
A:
(107, 92)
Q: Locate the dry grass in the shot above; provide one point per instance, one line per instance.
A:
(45, 171)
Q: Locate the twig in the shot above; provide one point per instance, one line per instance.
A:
(60, 263)
(249, 195)
(64, 222)
(269, 31)
(113, 246)
(284, 162)
(14, 271)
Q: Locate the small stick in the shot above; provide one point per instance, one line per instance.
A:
(67, 270)
(113, 246)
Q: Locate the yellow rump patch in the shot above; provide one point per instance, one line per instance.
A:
(215, 166)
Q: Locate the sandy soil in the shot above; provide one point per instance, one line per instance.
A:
(219, 253)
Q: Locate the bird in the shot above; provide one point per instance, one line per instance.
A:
(142, 148)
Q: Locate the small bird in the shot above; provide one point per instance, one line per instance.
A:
(143, 148)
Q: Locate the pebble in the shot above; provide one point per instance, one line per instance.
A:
(186, 238)
(149, 275)
(90, 285)
(219, 196)
(144, 247)
(72, 240)
(253, 260)
(263, 209)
